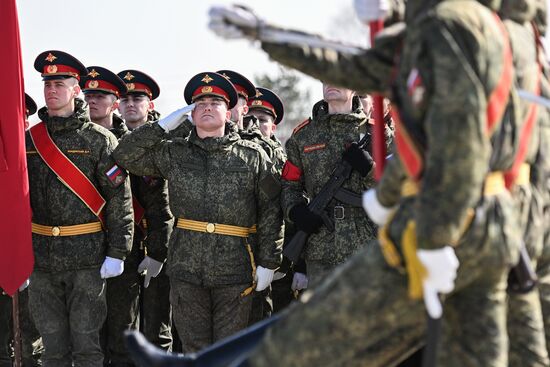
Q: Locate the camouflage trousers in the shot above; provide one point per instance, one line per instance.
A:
(317, 271)
(361, 314)
(69, 309)
(525, 322)
(157, 312)
(122, 312)
(31, 343)
(206, 315)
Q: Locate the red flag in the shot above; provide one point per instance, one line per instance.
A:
(16, 255)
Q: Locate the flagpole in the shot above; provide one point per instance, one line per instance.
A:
(16, 330)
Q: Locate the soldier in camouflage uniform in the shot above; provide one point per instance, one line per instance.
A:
(541, 175)
(76, 244)
(266, 112)
(31, 345)
(454, 55)
(314, 149)
(525, 323)
(221, 189)
(102, 89)
(262, 303)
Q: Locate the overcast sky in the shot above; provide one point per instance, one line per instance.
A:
(168, 40)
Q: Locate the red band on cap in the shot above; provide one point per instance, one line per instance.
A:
(258, 103)
(57, 69)
(101, 85)
(241, 90)
(210, 90)
(139, 87)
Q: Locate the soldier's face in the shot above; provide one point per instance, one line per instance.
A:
(134, 108)
(59, 95)
(267, 122)
(336, 94)
(210, 113)
(101, 105)
(239, 111)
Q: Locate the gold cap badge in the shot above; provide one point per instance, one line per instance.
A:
(50, 57)
(207, 79)
(93, 84)
(93, 73)
(206, 89)
(51, 69)
(130, 86)
(129, 76)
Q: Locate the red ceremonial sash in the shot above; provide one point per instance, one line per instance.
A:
(139, 212)
(67, 172)
(409, 152)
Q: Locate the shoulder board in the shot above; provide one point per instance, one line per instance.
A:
(301, 125)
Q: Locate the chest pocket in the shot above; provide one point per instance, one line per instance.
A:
(237, 176)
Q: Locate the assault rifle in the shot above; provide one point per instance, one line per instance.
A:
(331, 190)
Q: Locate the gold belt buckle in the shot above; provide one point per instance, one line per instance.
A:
(55, 231)
(210, 227)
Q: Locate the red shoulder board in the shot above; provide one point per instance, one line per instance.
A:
(301, 125)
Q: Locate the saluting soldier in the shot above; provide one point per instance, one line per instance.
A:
(222, 189)
(152, 216)
(82, 217)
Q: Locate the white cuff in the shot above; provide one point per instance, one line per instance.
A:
(375, 210)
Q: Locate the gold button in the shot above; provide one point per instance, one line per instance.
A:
(210, 227)
(55, 231)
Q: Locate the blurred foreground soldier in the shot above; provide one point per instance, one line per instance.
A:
(525, 322)
(82, 217)
(221, 189)
(452, 84)
(314, 149)
(541, 174)
(153, 222)
(30, 339)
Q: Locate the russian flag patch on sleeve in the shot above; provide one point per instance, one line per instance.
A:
(116, 175)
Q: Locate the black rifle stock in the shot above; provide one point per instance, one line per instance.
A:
(339, 175)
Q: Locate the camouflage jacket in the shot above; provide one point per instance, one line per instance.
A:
(89, 147)
(315, 148)
(272, 147)
(152, 194)
(217, 180)
(449, 104)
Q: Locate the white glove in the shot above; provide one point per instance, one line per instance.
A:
(229, 22)
(370, 10)
(375, 210)
(441, 266)
(111, 267)
(264, 277)
(176, 118)
(150, 268)
(23, 286)
(299, 282)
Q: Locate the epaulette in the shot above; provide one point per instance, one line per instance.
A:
(301, 125)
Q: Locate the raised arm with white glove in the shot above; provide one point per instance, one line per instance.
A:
(150, 268)
(441, 266)
(111, 267)
(264, 277)
(176, 118)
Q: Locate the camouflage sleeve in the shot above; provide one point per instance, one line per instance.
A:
(388, 190)
(118, 212)
(457, 160)
(270, 217)
(367, 72)
(292, 179)
(158, 216)
(139, 152)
